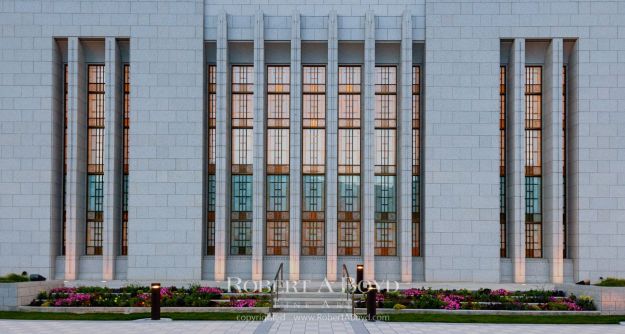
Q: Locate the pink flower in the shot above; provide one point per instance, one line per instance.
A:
(74, 299)
(165, 292)
(572, 306)
(244, 303)
(63, 290)
(500, 292)
(209, 290)
(452, 302)
(413, 292)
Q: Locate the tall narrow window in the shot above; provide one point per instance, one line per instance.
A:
(416, 160)
(211, 186)
(242, 131)
(278, 109)
(385, 160)
(95, 159)
(126, 129)
(564, 158)
(64, 184)
(349, 160)
(533, 162)
(502, 162)
(313, 160)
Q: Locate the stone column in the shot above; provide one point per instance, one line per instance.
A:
(515, 125)
(258, 222)
(295, 149)
(221, 149)
(332, 148)
(76, 158)
(404, 203)
(57, 171)
(552, 161)
(112, 157)
(368, 143)
(575, 83)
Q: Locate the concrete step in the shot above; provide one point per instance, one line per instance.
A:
(319, 302)
(313, 286)
(312, 300)
(312, 309)
(311, 294)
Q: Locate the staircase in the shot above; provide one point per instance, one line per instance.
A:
(312, 301)
(314, 297)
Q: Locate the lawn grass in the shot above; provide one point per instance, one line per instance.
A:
(134, 316)
(611, 281)
(403, 317)
(13, 278)
(504, 319)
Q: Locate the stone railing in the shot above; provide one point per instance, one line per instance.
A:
(13, 295)
(609, 300)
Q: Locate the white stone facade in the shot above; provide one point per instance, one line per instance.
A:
(459, 44)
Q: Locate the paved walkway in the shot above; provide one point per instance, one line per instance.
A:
(288, 325)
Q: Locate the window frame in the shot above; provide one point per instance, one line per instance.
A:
(96, 115)
(533, 122)
(313, 239)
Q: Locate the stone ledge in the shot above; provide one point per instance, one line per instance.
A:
(477, 312)
(609, 300)
(129, 310)
(17, 294)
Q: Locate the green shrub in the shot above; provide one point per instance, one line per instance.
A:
(263, 304)
(553, 306)
(388, 304)
(428, 302)
(611, 281)
(42, 295)
(13, 278)
(586, 303)
(393, 295)
(399, 307)
(92, 289)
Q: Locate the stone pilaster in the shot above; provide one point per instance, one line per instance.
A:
(515, 125)
(368, 142)
(76, 159)
(112, 157)
(552, 160)
(332, 148)
(221, 149)
(295, 149)
(258, 223)
(404, 203)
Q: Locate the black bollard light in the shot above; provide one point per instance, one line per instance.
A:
(360, 269)
(371, 302)
(156, 301)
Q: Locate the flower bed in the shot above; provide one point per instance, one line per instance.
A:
(483, 299)
(139, 296)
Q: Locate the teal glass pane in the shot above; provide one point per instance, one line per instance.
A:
(314, 192)
(533, 195)
(385, 194)
(278, 192)
(211, 193)
(125, 196)
(502, 194)
(242, 193)
(95, 193)
(416, 194)
(349, 193)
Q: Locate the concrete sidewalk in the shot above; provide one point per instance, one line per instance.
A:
(288, 325)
